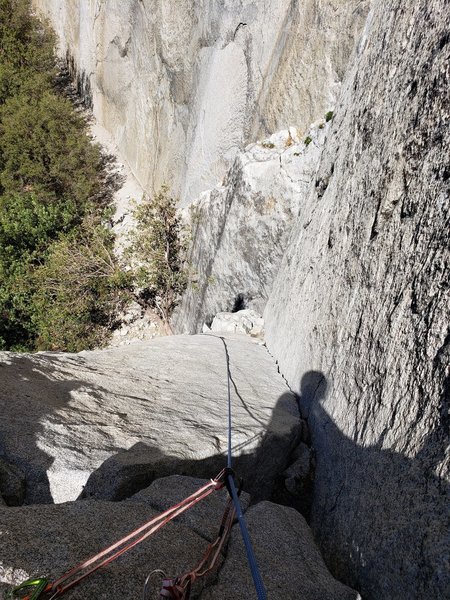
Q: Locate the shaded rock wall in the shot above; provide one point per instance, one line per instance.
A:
(183, 85)
(359, 314)
(284, 540)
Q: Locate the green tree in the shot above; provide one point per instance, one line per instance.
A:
(27, 45)
(60, 283)
(157, 251)
(45, 149)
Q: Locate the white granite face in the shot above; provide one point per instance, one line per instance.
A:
(240, 228)
(182, 86)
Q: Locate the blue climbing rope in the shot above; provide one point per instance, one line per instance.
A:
(256, 575)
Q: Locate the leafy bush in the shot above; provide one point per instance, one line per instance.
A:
(157, 252)
(27, 58)
(45, 149)
(307, 140)
(329, 116)
(60, 284)
(78, 290)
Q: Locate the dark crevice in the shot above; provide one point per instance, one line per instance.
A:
(239, 303)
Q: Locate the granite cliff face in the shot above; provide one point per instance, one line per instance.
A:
(240, 228)
(362, 299)
(182, 86)
(357, 313)
(357, 289)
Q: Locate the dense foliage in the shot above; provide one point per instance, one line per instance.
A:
(60, 284)
(157, 252)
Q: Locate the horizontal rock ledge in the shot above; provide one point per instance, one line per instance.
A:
(122, 417)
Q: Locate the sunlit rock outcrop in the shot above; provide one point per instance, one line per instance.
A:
(240, 228)
(106, 423)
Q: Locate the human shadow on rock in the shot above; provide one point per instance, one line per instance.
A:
(381, 519)
(129, 471)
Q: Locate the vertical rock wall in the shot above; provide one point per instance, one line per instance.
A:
(182, 86)
(239, 229)
(358, 318)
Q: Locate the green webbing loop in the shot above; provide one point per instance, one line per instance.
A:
(39, 583)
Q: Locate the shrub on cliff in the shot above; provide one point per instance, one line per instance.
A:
(157, 252)
(27, 57)
(59, 280)
(78, 290)
(45, 150)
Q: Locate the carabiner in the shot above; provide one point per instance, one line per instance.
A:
(40, 585)
(157, 572)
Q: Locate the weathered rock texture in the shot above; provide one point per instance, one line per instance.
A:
(359, 312)
(12, 484)
(49, 540)
(290, 563)
(240, 228)
(65, 416)
(203, 518)
(183, 85)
